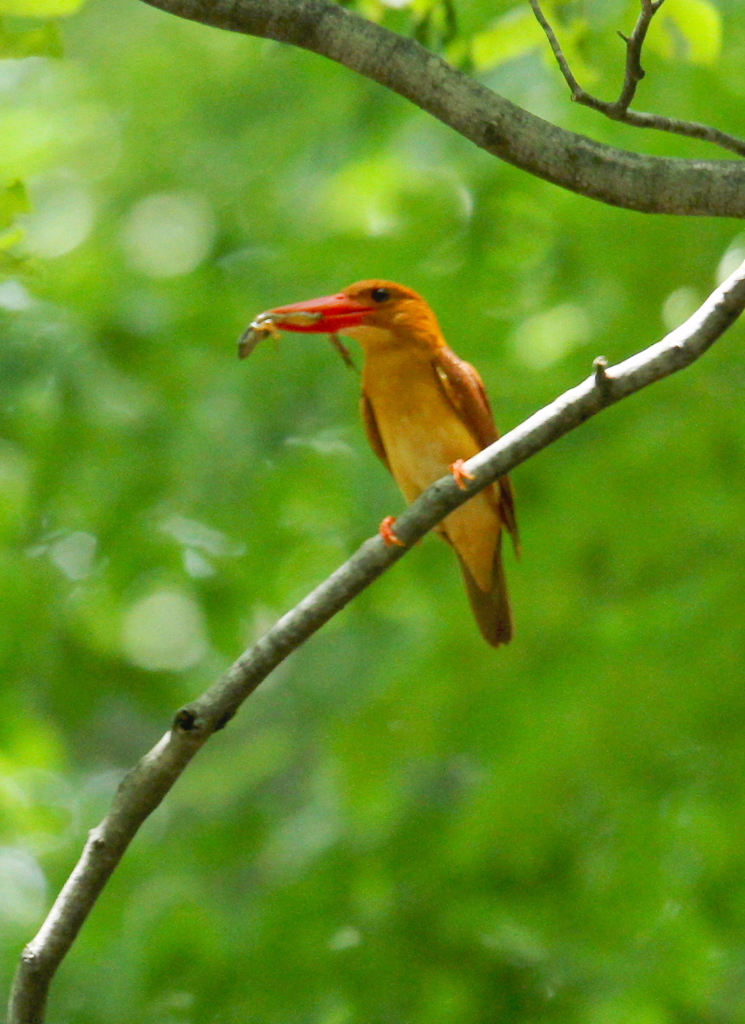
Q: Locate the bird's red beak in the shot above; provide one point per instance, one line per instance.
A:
(327, 315)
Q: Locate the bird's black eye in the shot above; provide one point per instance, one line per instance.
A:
(380, 295)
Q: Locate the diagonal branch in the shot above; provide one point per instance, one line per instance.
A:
(649, 184)
(146, 785)
(619, 109)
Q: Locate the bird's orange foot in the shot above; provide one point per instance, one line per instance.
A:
(460, 474)
(388, 533)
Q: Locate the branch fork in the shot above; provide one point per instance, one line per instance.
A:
(619, 110)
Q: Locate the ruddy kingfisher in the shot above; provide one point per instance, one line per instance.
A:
(425, 412)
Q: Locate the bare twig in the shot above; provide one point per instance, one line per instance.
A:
(650, 184)
(619, 109)
(561, 60)
(634, 43)
(146, 785)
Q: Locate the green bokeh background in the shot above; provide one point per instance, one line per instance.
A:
(402, 826)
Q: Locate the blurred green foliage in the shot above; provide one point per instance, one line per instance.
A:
(402, 826)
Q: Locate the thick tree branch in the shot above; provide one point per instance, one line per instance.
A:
(146, 785)
(619, 110)
(614, 176)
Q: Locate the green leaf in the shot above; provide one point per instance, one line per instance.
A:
(36, 42)
(40, 8)
(13, 265)
(517, 32)
(10, 237)
(687, 29)
(13, 201)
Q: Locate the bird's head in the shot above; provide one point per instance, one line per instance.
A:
(375, 313)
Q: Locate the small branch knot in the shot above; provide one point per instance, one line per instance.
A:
(185, 720)
(602, 380)
(96, 840)
(190, 721)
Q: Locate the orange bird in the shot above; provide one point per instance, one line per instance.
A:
(425, 412)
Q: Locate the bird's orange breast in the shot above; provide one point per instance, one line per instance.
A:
(422, 436)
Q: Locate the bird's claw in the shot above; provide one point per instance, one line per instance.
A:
(388, 534)
(461, 474)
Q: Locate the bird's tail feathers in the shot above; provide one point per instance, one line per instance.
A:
(491, 608)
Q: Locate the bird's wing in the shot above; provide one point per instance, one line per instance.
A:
(372, 431)
(465, 391)
(507, 511)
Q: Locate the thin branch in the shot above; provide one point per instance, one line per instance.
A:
(561, 60)
(146, 785)
(634, 46)
(619, 110)
(636, 182)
